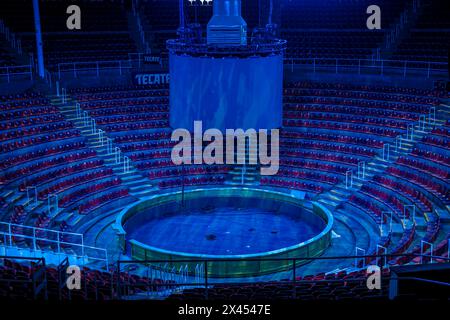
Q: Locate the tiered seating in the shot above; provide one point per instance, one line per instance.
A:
(313, 32)
(104, 34)
(102, 200)
(438, 189)
(84, 47)
(137, 120)
(384, 196)
(204, 180)
(336, 34)
(38, 143)
(39, 165)
(91, 189)
(428, 166)
(365, 118)
(426, 41)
(370, 207)
(18, 216)
(430, 236)
(404, 243)
(55, 175)
(444, 131)
(193, 170)
(416, 196)
(6, 58)
(290, 184)
(331, 44)
(69, 183)
(339, 286)
(16, 283)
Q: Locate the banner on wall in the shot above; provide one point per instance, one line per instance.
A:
(142, 79)
(149, 59)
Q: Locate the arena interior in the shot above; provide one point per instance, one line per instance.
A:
(350, 97)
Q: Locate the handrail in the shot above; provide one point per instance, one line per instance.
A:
(75, 67)
(43, 229)
(380, 65)
(404, 66)
(22, 258)
(206, 283)
(89, 121)
(371, 61)
(9, 234)
(270, 46)
(10, 71)
(425, 280)
(280, 259)
(16, 43)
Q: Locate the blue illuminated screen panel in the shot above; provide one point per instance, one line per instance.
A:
(226, 93)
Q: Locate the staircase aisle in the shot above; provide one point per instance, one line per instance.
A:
(378, 165)
(139, 186)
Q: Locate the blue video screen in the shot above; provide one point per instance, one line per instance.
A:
(226, 93)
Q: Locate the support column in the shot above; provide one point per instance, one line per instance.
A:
(39, 46)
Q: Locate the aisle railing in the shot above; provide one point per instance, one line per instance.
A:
(76, 67)
(370, 66)
(10, 72)
(13, 236)
(184, 274)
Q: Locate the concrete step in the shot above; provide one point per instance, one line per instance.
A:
(7, 193)
(340, 193)
(421, 223)
(249, 173)
(102, 151)
(132, 176)
(240, 179)
(397, 229)
(329, 202)
(234, 183)
(110, 161)
(145, 192)
(333, 198)
(14, 197)
(444, 215)
(75, 219)
(377, 165)
(88, 133)
(67, 109)
(141, 187)
(372, 171)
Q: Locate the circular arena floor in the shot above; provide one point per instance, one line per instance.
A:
(226, 231)
(220, 224)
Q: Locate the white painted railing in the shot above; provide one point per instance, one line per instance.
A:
(11, 37)
(39, 240)
(10, 72)
(102, 138)
(403, 68)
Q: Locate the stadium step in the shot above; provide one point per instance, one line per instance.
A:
(138, 185)
(240, 175)
(235, 183)
(363, 230)
(7, 193)
(421, 223)
(90, 229)
(247, 173)
(141, 187)
(145, 192)
(329, 202)
(444, 215)
(397, 229)
(340, 192)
